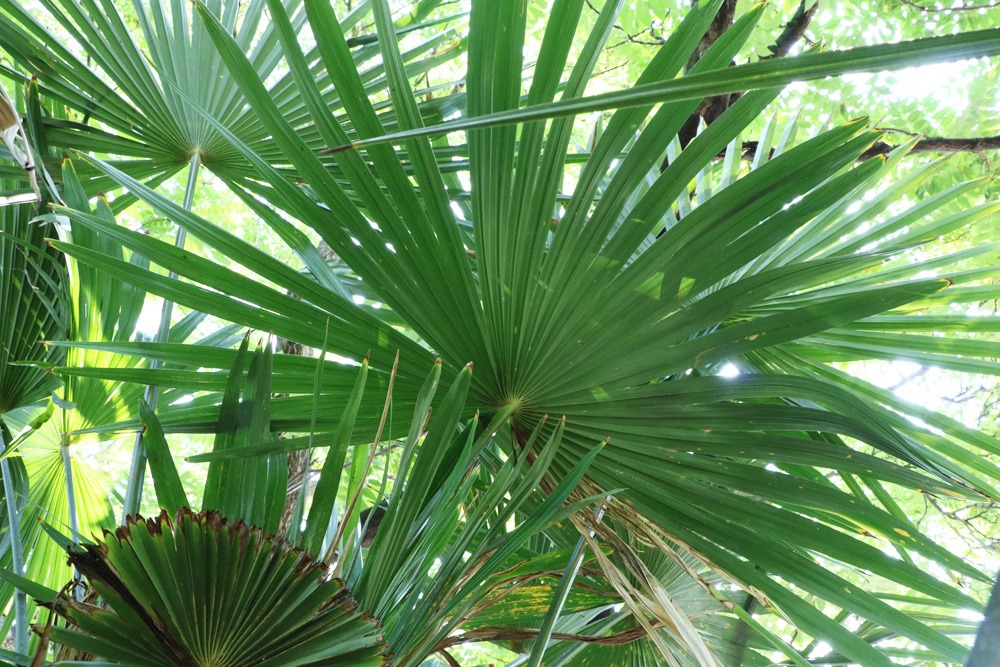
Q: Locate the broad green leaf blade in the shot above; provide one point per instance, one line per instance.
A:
(169, 490)
(762, 74)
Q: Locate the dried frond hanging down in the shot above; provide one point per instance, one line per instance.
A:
(12, 134)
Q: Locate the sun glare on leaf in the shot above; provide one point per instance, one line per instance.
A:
(729, 371)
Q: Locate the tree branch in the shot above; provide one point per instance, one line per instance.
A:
(722, 22)
(925, 145)
(794, 30)
(939, 145)
(489, 634)
(968, 8)
(629, 38)
(713, 107)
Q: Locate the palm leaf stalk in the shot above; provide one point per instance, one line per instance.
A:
(11, 496)
(622, 312)
(137, 469)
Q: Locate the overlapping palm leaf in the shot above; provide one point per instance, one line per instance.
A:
(62, 490)
(125, 93)
(57, 487)
(452, 543)
(35, 306)
(618, 305)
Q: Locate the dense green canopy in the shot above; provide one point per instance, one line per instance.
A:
(659, 298)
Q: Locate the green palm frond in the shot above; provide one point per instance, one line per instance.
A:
(619, 303)
(196, 590)
(452, 543)
(127, 94)
(34, 306)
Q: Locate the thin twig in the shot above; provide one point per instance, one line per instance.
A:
(630, 38)
(969, 8)
(939, 145)
(794, 30)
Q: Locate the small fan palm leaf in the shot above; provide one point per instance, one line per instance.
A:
(34, 304)
(126, 93)
(194, 589)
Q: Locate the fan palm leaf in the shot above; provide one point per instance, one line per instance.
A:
(127, 95)
(35, 306)
(194, 589)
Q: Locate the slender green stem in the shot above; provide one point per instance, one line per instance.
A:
(137, 471)
(559, 600)
(74, 523)
(16, 548)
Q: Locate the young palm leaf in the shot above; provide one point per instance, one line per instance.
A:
(126, 92)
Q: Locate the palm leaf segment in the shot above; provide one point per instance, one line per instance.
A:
(34, 303)
(130, 95)
(621, 314)
(196, 590)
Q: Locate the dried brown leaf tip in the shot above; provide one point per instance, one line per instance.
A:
(8, 117)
